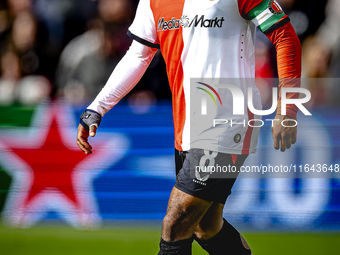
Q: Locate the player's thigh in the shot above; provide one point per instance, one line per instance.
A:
(183, 215)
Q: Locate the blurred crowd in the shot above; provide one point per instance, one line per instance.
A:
(317, 23)
(68, 49)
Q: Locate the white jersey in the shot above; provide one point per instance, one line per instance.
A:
(207, 39)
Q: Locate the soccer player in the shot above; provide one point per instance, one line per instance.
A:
(202, 39)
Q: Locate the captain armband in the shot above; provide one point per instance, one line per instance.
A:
(268, 16)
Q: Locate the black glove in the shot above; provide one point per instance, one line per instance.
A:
(90, 118)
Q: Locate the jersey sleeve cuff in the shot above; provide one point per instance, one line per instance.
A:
(96, 108)
(143, 41)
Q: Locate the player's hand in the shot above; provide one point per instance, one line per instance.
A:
(82, 138)
(284, 137)
(89, 122)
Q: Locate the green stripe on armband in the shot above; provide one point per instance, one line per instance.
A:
(269, 22)
(258, 9)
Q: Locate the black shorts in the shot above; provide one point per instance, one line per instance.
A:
(207, 175)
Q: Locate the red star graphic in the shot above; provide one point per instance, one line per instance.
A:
(50, 173)
(52, 165)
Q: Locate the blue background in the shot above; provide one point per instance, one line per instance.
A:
(138, 186)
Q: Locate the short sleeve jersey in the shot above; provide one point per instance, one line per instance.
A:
(206, 39)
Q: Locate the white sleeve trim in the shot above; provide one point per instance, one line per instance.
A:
(144, 25)
(125, 76)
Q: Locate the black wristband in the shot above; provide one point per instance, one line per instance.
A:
(90, 118)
